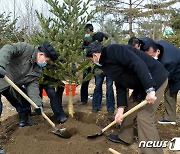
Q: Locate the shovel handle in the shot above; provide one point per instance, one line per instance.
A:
(126, 114)
(113, 151)
(28, 99)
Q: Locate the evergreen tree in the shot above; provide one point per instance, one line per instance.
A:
(147, 19)
(175, 25)
(8, 32)
(65, 31)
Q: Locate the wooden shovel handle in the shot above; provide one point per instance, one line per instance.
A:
(113, 151)
(28, 99)
(126, 114)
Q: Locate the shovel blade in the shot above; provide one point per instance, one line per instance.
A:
(62, 133)
(95, 135)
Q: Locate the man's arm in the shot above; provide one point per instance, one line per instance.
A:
(33, 92)
(10, 50)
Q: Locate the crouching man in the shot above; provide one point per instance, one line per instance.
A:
(133, 69)
(23, 63)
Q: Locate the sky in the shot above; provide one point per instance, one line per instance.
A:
(20, 10)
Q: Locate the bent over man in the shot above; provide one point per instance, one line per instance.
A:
(23, 63)
(134, 69)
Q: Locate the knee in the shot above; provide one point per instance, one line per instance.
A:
(144, 120)
(50, 91)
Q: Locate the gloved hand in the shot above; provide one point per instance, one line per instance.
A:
(38, 110)
(2, 72)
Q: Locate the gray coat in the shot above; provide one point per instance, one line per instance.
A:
(19, 60)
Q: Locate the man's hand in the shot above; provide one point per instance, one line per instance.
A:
(150, 97)
(38, 110)
(119, 114)
(2, 72)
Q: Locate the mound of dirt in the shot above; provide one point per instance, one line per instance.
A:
(39, 139)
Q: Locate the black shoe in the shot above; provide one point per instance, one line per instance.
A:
(62, 119)
(83, 103)
(27, 123)
(2, 151)
(116, 139)
(95, 110)
(24, 120)
(110, 112)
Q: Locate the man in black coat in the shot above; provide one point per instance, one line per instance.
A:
(134, 69)
(169, 56)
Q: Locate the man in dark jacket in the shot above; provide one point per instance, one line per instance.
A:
(23, 63)
(89, 32)
(169, 56)
(132, 68)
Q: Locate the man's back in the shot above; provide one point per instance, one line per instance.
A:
(134, 65)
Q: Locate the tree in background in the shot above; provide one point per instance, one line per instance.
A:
(137, 17)
(8, 32)
(65, 30)
(155, 19)
(115, 33)
(174, 37)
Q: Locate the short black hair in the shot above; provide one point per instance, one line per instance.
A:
(94, 47)
(155, 46)
(133, 41)
(151, 44)
(89, 26)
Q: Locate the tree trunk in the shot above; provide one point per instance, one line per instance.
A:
(70, 101)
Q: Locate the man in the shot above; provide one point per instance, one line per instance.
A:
(132, 68)
(169, 56)
(89, 31)
(23, 63)
(55, 96)
(99, 78)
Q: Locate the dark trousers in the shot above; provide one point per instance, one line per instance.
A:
(17, 100)
(84, 86)
(1, 106)
(147, 130)
(55, 97)
(97, 95)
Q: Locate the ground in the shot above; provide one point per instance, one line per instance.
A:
(39, 139)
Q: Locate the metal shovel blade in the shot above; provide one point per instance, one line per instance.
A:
(95, 135)
(62, 133)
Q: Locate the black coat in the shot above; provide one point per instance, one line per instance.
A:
(170, 58)
(171, 61)
(131, 68)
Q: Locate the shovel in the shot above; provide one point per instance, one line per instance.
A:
(114, 122)
(59, 132)
(113, 151)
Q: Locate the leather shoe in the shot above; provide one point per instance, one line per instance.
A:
(83, 103)
(116, 139)
(26, 123)
(95, 110)
(2, 151)
(62, 119)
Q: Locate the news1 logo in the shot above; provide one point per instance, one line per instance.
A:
(175, 144)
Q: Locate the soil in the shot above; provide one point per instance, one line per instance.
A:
(39, 139)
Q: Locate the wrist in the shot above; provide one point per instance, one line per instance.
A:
(150, 90)
(121, 108)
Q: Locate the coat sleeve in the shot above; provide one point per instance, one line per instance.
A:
(33, 92)
(121, 93)
(10, 50)
(130, 60)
